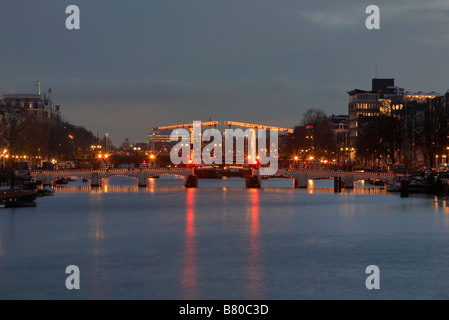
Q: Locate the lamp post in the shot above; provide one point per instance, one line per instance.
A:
(352, 157)
(295, 158)
(106, 146)
(152, 159)
(346, 157)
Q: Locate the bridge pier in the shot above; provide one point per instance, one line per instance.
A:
(337, 184)
(141, 182)
(191, 181)
(253, 181)
(300, 183)
(349, 182)
(95, 181)
(404, 188)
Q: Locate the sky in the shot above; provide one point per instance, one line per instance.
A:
(137, 64)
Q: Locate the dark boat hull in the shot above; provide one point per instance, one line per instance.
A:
(13, 198)
(208, 173)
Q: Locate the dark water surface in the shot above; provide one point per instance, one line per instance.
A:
(222, 241)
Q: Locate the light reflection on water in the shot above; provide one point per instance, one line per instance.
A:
(189, 282)
(254, 270)
(128, 184)
(223, 241)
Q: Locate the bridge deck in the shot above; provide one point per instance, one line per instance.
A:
(301, 176)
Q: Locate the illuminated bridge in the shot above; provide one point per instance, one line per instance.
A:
(301, 176)
(97, 177)
(227, 122)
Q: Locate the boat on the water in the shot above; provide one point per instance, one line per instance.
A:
(415, 184)
(17, 197)
(232, 172)
(17, 190)
(46, 191)
(208, 173)
(395, 186)
(437, 183)
(62, 181)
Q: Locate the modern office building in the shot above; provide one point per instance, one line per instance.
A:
(159, 140)
(422, 119)
(368, 103)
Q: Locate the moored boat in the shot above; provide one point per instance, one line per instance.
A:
(232, 172)
(438, 183)
(395, 186)
(62, 181)
(209, 173)
(46, 191)
(17, 189)
(17, 197)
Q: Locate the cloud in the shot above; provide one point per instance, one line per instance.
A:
(162, 62)
(332, 18)
(288, 83)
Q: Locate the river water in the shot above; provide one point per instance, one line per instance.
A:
(223, 241)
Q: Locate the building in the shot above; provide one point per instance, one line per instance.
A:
(420, 123)
(38, 105)
(340, 129)
(159, 140)
(365, 104)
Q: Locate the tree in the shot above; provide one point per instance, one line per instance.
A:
(321, 133)
(79, 153)
(12, 127)
(379, 135)
(312, 116)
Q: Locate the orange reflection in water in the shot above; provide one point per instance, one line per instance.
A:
(254, 272)
(100, 275)
(189, 280)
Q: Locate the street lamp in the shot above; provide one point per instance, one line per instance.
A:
(107, 147)
(296, 161)
(152, 157)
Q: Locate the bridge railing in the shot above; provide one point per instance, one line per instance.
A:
(340, 172)
(111, 170)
